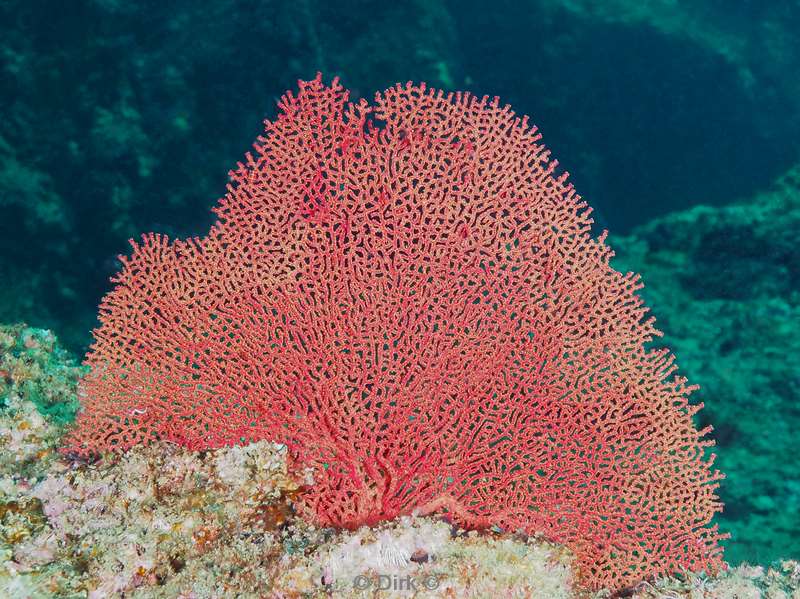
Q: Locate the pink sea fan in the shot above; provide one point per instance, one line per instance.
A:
(409, 297)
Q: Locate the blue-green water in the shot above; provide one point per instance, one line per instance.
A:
(124, 117)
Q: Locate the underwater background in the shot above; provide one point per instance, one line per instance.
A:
(679, 123)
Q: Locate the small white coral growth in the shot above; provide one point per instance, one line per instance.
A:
(387, 550)
(239, 464)
(781, 581)
(423, 556)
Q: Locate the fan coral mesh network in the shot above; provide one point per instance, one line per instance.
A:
(409, 297)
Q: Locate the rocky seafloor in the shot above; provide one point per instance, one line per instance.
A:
(162, 521)
(724, 286)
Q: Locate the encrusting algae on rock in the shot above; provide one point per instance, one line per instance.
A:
(424, 557)
(169, 518)
(33, 365)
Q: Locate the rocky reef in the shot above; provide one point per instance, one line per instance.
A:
(724, 286)
(33, 365)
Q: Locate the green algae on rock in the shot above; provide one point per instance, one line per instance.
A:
(34, 367)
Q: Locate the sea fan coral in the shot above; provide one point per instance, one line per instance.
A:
(409, 296)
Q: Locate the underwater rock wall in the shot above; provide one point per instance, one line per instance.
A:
(724, 286)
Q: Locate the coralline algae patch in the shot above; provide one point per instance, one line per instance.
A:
(159, 518)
